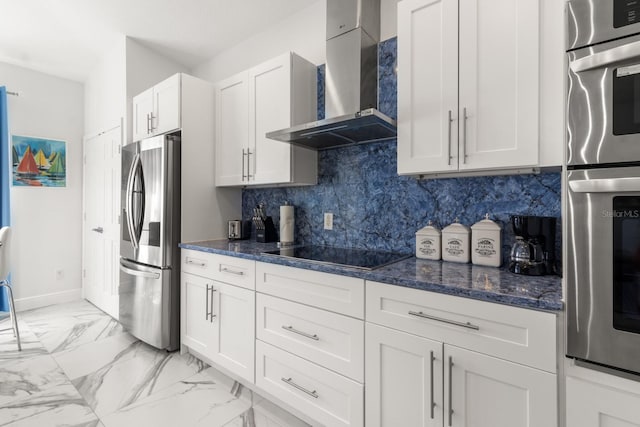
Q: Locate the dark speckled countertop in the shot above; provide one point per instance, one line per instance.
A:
(464, 280)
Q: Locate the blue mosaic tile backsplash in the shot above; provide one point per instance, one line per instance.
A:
(375, 208)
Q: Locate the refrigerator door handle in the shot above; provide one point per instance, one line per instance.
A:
(145, 274)
(129, 202)
(133, 233)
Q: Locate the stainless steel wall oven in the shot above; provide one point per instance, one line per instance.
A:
(603, 200)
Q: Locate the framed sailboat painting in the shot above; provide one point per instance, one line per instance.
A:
(38, 162)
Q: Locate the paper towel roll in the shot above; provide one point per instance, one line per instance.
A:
(286, 224)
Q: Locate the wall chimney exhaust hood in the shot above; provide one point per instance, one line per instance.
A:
(351, 82)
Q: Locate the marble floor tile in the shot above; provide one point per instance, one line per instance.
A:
(137, 372)
(67, 332)
(21, 378)
(58, 406)
(78, 367)
(197, 401)
(85, 359)
(31, 345)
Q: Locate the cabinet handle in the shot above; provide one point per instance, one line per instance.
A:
(449, 120)
(211, 314)
(226, 270)
(148, 123)
(192, 262)
(464, 136)
(304, 334)
(207, 313)
(98, 230)
(299, 387)
(467, 325)
(433, 403)
(450, 391)
(243, 154)
(249, 153)
(151, 117)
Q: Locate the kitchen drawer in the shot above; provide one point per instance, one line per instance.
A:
(329, 398)
(341, 294)
(227, 269)
(516, 334)
(328, 339)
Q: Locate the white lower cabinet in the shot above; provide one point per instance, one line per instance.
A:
(218, 321)
(403, 377)
(484, 391)
(325, 396)
(590, 404)
(422, 379)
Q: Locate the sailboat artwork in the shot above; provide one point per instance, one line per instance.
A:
(38, 162)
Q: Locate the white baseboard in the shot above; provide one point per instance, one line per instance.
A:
(38, 301)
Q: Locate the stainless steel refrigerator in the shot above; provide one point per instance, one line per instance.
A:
(150, 232)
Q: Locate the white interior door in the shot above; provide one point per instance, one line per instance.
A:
(101, 251)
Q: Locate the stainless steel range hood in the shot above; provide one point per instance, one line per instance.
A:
(351, 82)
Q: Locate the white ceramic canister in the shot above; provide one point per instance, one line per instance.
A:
(486, 243)
(428, 242)
(455, 242)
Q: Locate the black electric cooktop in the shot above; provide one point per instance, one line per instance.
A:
(357, 258)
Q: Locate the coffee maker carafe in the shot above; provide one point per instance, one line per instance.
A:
(533, 252)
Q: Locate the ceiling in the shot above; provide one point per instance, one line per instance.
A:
(67, 38)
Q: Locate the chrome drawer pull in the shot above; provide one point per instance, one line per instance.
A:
(291, 383)
(433, 403)
(450, 391)
(192, 262)
(226, 270)
(467, 325)
(304, 334)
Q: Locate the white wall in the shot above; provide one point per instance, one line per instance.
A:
(105, 91)
(303, 33)
(46, 222)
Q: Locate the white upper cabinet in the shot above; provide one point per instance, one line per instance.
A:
(427, 85)
(276, 94)
(469, 91)
(157, 110)
(232, 129)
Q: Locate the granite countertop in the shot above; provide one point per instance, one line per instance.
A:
(464, 280)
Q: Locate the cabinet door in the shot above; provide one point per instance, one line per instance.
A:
(142, 109)
(269, 110)
(166, 105)
(403, 377)
(198, 330)
(483, 391)
(594, 405)
(234, 317)
(427, 86)
(499, 75)
(232, 130)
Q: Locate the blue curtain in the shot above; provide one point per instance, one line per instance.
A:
(4, 176)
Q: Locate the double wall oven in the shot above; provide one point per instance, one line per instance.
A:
(603, 203)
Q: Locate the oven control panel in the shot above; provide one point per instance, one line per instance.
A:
(625, 12)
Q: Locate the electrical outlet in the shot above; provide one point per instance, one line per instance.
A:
(328, 221)
(59, 274)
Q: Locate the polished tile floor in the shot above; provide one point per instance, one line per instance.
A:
(78, 367)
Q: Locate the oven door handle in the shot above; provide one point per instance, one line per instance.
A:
(611, 185)
(604, 58)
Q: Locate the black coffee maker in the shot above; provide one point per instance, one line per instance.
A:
(533, 252)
